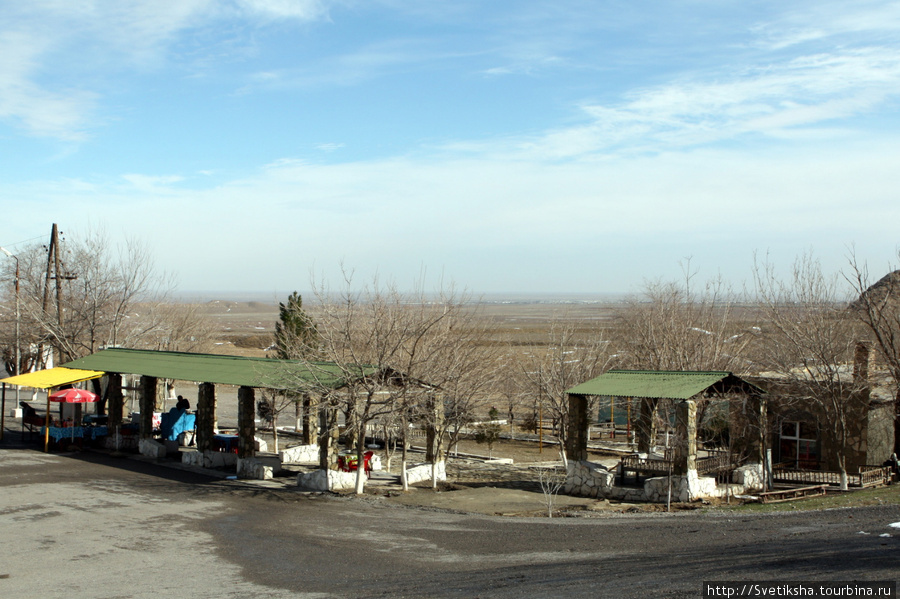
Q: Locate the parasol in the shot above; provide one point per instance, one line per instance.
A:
(71, 396)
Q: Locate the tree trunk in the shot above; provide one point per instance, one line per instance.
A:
(275, 431)
(403, 457)
(360, 460)
(388, 452)
(350, 422)
(842, 468)
(897, 423)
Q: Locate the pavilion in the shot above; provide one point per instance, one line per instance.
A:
(683, 387)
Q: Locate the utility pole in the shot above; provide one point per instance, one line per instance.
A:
(53, 263)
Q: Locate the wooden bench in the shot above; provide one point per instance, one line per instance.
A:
(792, 494)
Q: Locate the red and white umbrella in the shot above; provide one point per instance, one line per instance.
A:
(73, 396)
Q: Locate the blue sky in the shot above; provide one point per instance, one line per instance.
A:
(507, 146)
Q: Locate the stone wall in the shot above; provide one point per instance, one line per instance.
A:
(120, 442)
(586, 479)
(326, 480)
(151, 448)
(258, 467)
(422, 472)
(209, 459)
(880, 433)
(300, 454)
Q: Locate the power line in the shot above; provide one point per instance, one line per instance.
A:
(15, 243)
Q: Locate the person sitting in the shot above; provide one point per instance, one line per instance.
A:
(29, 412)
(30, 418)
(183, 404)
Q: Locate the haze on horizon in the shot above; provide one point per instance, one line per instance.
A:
(510, 148)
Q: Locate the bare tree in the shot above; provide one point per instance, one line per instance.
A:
(461, 364)
(672, 326)
(574, 354)
(108, 297)
(403, 358)
(551, 480)
(181, 327)
(378, 338)
(810, 341)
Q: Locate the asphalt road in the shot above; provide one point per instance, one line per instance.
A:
(90, 525)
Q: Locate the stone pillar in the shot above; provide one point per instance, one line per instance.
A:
(115, 402)
(246, 422)
(758, 419)
(576, 428)
(206, 416)
(685, 437)
(645, 429)
(328, 433)
(310, 428)
(148, 403)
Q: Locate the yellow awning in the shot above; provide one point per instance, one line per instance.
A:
(52, 377)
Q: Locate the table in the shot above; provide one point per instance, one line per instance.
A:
(59, 433)
(226, 443)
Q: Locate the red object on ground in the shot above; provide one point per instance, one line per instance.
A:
(347, 463)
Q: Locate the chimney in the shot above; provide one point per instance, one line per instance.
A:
(861, 363)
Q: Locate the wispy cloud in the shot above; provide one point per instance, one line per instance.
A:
(808, 95)
(827, 20)
(60, 57)
(365, 63)
(152, 183)
(306, 10)
(57, 113)
(522, 209)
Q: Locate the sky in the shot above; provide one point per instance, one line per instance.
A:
(509, 146)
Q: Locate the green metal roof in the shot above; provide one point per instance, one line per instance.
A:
(211, 368)
(662, 384)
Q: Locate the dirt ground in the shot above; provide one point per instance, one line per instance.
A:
(94, 525)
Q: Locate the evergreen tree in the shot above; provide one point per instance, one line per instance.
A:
(296, 336)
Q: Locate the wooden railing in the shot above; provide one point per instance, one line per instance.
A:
(647, 466)
(867, 476)
(715, 462)
(822, 477)
(871, 476)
